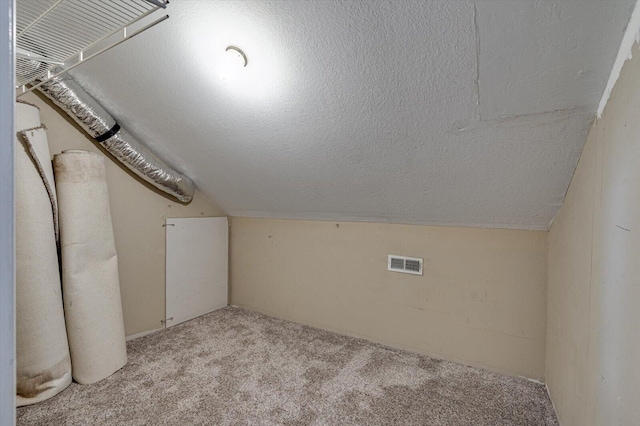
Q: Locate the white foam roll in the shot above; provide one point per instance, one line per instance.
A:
(38, 139)
(43, 366)
(91, 286)
(27, 116)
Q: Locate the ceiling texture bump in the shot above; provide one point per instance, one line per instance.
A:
(423, 112)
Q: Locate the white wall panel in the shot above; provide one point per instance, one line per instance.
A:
(197, 267)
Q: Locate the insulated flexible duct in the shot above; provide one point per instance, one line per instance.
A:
(65, 92)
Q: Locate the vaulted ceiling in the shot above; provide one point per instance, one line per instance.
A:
(428, 112)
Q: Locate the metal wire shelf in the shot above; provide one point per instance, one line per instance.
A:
(54, 36)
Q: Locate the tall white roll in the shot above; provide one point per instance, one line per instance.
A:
(35, 141)
(43, 365)
(93, 309)
(37, 138)
(27, 116)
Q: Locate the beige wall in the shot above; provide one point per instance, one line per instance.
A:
(481, 301)
(593, 335)
(138, 214)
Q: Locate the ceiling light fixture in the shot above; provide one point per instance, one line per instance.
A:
(234, 61)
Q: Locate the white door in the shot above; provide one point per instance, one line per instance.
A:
(197, 262)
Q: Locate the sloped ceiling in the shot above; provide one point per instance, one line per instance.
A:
(428, 112)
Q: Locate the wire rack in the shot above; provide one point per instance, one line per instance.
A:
(57, 35)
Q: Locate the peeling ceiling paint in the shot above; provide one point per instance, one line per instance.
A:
(427, 112)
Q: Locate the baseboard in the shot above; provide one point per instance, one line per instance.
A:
(553, 404)
(143, 333)
(536, 381)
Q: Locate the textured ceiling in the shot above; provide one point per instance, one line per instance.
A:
(429, 112)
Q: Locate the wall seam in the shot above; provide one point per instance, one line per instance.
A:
(593, 220)
(477, 37)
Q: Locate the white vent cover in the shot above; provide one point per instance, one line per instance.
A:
(407, 265)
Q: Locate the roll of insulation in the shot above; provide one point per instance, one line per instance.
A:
(43, 365)
(91, 286)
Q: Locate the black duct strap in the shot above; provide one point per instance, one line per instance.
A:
(115, 129)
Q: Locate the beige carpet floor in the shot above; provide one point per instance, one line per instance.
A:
(235, 367)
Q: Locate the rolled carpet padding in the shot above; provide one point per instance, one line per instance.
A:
(43, 366)
(93, 309)
(36, 143)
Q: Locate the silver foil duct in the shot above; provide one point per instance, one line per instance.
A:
(66, 93)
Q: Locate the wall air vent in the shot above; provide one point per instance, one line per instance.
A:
(407, 265)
